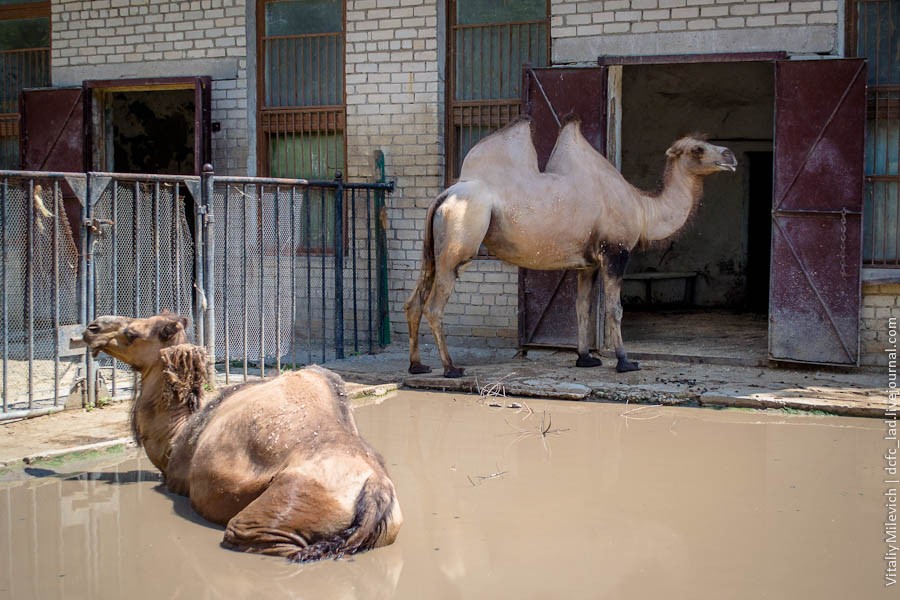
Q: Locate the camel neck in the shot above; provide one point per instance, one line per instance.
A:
(667, 212)
(158, 416)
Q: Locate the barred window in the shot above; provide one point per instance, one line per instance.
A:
(302, 109)
(874, 33)
(489, 42)
(24, 63)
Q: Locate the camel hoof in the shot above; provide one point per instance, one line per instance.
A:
(453, 372)
(418, 368)
(625, 366)
(586, 360)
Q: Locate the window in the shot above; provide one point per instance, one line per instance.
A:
(489, 42)
(874, 33)
(24, 63)
(300, 91)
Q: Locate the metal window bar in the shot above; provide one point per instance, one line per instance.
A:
(19, 69)
(870, 30)
(485, 78)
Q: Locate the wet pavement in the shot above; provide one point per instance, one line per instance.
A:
(529, 499)
(696, 377)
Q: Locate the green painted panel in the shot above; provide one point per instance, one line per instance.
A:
(298, 17)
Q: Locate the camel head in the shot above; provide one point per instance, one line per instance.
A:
(700, 158)
(136, 342)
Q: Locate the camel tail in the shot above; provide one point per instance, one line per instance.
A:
(423, 287)
(374, 524)
(428, 243)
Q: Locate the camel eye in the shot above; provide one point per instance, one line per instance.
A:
(698, 151)
(129, 334)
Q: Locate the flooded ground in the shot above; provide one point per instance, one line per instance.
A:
(551, 500)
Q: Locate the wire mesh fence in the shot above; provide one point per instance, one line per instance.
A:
(296, 272)
(274, 273)
(38, 284)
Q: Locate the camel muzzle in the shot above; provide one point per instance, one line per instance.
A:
(729, 162)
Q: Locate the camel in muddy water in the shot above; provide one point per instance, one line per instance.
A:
(280, 463)
(579, 213)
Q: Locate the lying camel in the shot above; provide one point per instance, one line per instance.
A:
(280, 463)
(579, 213)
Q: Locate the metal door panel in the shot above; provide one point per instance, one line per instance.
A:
(52, 140)
(547, 298)
(816, 218)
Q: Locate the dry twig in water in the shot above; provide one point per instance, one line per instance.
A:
(482, 478)
(544, 430)
(495, 389)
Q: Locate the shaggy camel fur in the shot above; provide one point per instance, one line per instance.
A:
(280, 463)
(580, 213)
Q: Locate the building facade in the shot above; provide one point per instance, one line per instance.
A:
(305, 87)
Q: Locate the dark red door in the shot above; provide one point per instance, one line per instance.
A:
(52, 139)
(816, 218)
(52, 133)
(547, 298)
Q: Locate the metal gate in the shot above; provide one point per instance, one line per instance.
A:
(233, 253)
(817, 212)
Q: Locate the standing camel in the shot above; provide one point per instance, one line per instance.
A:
(580, 214)
(280, 463)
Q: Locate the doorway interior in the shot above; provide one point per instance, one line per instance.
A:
(719, 310)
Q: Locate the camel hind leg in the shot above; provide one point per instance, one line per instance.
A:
(286, 519)
(413, 308)
(299, 519)
(458, 227)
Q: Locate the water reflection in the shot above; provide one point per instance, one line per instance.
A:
(680, 502)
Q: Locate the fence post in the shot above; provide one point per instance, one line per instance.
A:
(339, 265)
(87, 286)
(384, 318)
(209, 284)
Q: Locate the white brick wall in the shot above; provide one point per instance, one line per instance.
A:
(582, 30)
(395, 102)
(880, 303)
(100, 39)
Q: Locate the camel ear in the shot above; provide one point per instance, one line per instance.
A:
(171, 329)
(673, 152)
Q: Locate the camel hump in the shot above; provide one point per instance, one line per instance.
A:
(509, 150)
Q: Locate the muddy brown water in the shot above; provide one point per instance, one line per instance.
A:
(611, 502)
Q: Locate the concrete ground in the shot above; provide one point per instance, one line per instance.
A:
(684, 380)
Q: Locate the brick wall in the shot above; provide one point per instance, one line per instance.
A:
(880, 303)
(111, 39)
(582, 30)
(395, 102)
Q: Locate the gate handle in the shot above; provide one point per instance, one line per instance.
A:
(94, 224)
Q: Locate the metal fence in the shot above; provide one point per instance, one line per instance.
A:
(237, 254)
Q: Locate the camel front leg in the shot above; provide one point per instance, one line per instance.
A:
(586, 280)
(614, 270)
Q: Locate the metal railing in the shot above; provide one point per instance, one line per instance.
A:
(231, 252)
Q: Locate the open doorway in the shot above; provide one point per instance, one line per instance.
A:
(709, 292)
(155, 126)
(152, 131)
